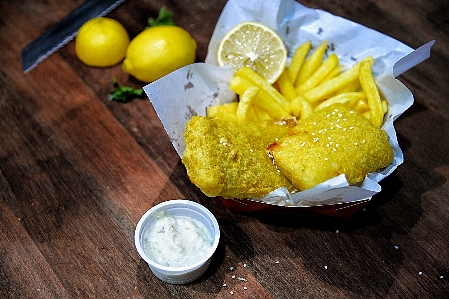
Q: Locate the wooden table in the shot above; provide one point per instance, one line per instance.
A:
(78, 171)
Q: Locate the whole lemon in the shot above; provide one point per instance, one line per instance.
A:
(157, 51)
(101, 42)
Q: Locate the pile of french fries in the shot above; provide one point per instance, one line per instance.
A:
(309, 83)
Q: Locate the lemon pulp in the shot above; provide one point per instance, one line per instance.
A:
(252, 44)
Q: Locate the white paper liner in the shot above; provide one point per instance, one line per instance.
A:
(188, 91)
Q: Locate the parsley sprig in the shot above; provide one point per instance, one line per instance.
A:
(124, 93)
(164, 18)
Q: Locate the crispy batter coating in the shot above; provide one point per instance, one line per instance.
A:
(331, 142)
(231, 159)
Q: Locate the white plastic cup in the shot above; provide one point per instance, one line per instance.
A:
(178, 207)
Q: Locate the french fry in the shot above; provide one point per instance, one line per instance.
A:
(344, 98)
(256, 79)
(384, 106)
(352, 86)
(246, 102)
(322, 71)
(367, 114)
(224, 112)
(239, 85)
(372, 93)
(286, 87)
(265, 101)
(213, 111)
(226, 115)
(335, 72)
(301, 107)
(311, 64)
(329, 87)
(262, 100)
(297, 60)
(253, 117)
(360, 105)
(261, 114)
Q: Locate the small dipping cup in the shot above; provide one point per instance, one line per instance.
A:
(178, 207)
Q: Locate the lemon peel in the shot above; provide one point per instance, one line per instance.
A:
(101, 42)
(158, 51)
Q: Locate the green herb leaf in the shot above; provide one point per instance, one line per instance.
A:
(164, 18)
(124, 93)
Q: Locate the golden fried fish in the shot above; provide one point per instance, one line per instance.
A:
(331, 142)
(231, 159)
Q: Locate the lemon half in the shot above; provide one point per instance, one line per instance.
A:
(254, 45)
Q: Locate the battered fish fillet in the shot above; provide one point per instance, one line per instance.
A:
(331, 142)
(231, 159)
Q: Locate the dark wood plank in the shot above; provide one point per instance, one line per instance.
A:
(77, 171)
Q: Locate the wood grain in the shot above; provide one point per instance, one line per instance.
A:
(77, 172)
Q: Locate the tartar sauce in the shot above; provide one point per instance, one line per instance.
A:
(176, 241)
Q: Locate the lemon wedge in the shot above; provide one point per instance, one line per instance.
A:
(254, 45)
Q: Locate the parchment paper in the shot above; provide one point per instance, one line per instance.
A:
(188, 91)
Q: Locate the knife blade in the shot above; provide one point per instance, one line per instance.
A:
(64, 31)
